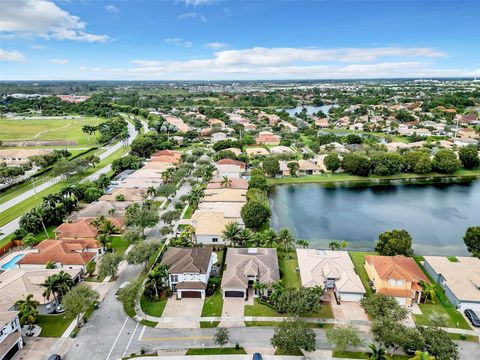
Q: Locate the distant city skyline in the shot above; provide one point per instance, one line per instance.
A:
(238, 40)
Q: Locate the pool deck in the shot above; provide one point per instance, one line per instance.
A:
(8, 257)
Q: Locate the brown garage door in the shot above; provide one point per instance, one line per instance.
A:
(237, 294)
(191, 294)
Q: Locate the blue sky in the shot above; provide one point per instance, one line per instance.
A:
(221, 39)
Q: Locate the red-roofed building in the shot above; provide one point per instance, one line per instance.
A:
(267, 139)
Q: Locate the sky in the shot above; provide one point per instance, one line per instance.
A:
(237, 40)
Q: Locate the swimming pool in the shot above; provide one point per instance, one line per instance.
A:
(12, 262)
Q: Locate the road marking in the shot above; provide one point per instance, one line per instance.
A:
(131, 338)
(180, 338)
(141, 333)
(116, 339)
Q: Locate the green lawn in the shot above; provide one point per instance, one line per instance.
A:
(118, 244)
(364, 355)
(153, 308)
(325, 312)
(216, 351)
(358, 259)
(463, 337)
(188, 213)
(258, 309)
(276, 323)
(47, 129)
(344, 177)
(288, 265)
(54, 325)
(212, 306)
(209, 324)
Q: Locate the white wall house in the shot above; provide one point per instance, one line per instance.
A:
(11, 340)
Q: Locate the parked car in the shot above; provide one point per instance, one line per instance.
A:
(54, 357)
(474, 319)
(257, 356)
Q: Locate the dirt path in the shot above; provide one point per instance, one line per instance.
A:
(45, 131)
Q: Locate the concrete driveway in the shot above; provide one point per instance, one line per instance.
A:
(232, 308)
(348, 310)
(181, 314)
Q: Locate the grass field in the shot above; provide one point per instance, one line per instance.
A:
(288, 265)
(54, 325)
(47, 129)
(118, 244)
(213, 305)
(153, 308)
(358, 259)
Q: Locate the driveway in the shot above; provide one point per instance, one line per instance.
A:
(181, 314)
(348, 310)
(232, 308)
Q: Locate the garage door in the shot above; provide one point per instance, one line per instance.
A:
(350, 297)
(237, 294)
(468, 305)
(191, 294)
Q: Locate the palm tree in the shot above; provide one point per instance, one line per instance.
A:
(377, 353)
(303, 244)
(168, 174)
(50, 285)
(226, 182)
(104, 239)
(259, 287)
(269, 238)
(151, 191)
(420, 355)
(28, 311)
(277, 289)
(244, 236)
(285, 238)
(64, 283)
(231, 233)
(428, 291)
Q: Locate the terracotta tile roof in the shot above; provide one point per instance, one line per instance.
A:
(396, 267)
(71, 252)
(396, 292)
(187, 260)
(81, 228)
(235, 183)
(231, 162)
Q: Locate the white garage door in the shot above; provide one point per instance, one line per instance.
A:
(401, 301)
(474, 306)
(350, 297)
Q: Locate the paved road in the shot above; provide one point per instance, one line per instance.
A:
(10, 227)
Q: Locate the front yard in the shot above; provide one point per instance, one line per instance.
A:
(213, 305)
(153, 308)
(118, 244)
(259, 309)
(54, 325)
(358, 259)
(216, 351)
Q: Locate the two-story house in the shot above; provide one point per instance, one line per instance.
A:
(189, 270)
(396, 276)
(11, 340)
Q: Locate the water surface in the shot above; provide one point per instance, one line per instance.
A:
(435, 215)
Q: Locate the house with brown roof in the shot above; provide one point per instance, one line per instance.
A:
(233, 183)
(396, 276)
(267, 138)
(71, 254)
(209, 225)
(245, 266)
(125, 195)
(189, 270)
(230, 168)
(81, 229)
(11, 340)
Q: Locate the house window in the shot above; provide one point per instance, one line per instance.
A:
(214, 240)
(174, 278)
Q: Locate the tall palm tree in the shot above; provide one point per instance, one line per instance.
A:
(286, 239)
(226, 182)
(244, 236)
(420, 355)
(151, 191)
(28, 311)
(64, 283)
(428, 291)
(269, 238)
(231, 233)
(50, 285)
(303, 243)
(378, 353)
(168, 174)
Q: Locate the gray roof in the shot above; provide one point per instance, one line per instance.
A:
(243, 262)
(187, 260)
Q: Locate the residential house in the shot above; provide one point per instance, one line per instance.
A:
(245, 266)
(216, 122)
(305, 167)
(17, 283)
(14, 157)
(236, 151)
(280, 149)
(233, 183)
(166, 156)
(322, 123)
(209, 226)
(464, 141)
(218, 136)
(225, 195)
(396, 276)
(267, 138)
(127, 194)
(460, 279)
(231, 210)
(11, 340)
(230, 168)
(81, 229)
(253, 151)
(101, 208)
(468, 133)
(468, 119)
(72, 254)
(189, 270)
(330, 270)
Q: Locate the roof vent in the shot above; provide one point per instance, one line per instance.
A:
(252, 250)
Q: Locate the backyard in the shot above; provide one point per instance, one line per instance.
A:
(288, 265)
(358, 259)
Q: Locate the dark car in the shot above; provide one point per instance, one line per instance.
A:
(257, 356)
(54, 357)
(470, 314)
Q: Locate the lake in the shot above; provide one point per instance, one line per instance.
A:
(435, 215)
(310, 109)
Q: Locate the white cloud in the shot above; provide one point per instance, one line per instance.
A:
(112, 8)
(179, 42)
(59, 61)
(197, 2)
(192, 15)
(45, 19)
(12, 56)
(38, 47)
(215, 45)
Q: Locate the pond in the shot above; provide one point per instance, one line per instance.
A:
(435, 215)
(310, 109)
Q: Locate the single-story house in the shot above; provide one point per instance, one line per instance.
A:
(218, 136)
(225, 195)
(231, 210)
(230, 168)
(236, 151)
(166, 156)
(128, 195)
(233, 183)
(209, 226)
(245, 266)
(252, 151)
(20, 156)
(465, 141)
(11, 340)
(99, 208)
(460, 279)
(71, 254)
(81, 229)
(280, 149)
(397, 276)
(17, 283)
(267, 138)
(330, 270)
(189, 270)
(305, 167)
